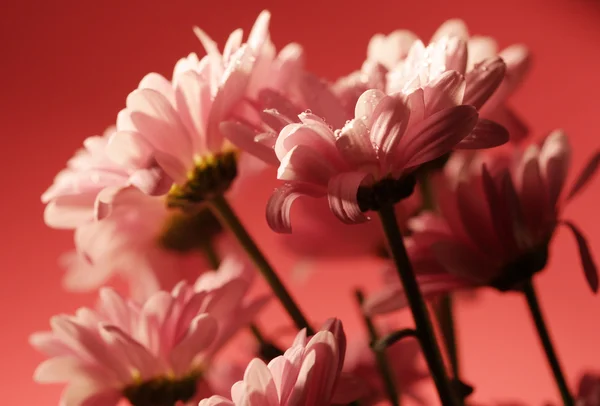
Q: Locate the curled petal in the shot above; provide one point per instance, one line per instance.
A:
(280, 204)
(587, 261)
(320, 98)
(342, 195)
(483, 81)
(588, 172)
(304, 164)
(486, 134)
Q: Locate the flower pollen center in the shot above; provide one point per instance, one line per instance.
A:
(162, 391)
(211, 177)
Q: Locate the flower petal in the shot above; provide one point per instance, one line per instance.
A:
(201, 334)
(389, 124)
(587, 261)
(584, 177)
(486, 134)
(158, 82)
(321, 100)
(304, 164)
(129, 149)
(243, 137)
(451, 28)
(555, 159)
(70, 211)
(89, 392)
(280, 204)
(483, 81)
(435, 136)
(367, 104)
(445, 91)
(481, 48)
(193, 101)
(216, 401)
(355, 146)
(342, 194)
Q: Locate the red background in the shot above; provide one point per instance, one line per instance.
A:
(67, 67)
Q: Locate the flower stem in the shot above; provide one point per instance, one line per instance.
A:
(228, 218)
(380, 356)
(417, 305)
(211, 255)
(445, 314)
(540, 325)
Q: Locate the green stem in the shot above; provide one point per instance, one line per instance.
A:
(228, 218)
(445, 314)
(380, 357)
(542, 330)
(425, 331)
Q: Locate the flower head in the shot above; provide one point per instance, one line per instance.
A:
(156, 350)
(307, 374)
(400, 61)
(371, 160)
(495, 223)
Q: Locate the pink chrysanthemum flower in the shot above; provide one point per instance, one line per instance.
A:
(372, 159)
(402, 357)
(156, 351)
(392, 59)
(495, 224)
(306, 375)
(80, 190)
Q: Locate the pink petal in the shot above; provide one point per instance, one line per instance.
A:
(585, 176)
(211, 48)
(152, 181)
(337, 329)
(70, 211)
(158, 122)
(481, 48)
(59, 370)
(555, 159)
(81, 276)
(456, 54)
(532, 193)
(271, 99)
(233, 44)
(390, 121)
(258, 378)
(201, 334)
(486, 134)
(129, 149)
(320, 140)
(321, 100)
(260, 31)
(483, 81)
(451, 28)
(158, 82)
(231, 91)
(280, 204)
(342, 194)
(284, 375)
(587, 261)
(367, 104)
(88, 392)
(303, 164)
(355, 146)
(444, 92)
(389, 50)
(518, 62)
(115, 309)
(216, 401)
(242, 136)
(435, 136)
(193, 102)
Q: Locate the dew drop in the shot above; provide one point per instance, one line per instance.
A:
(308, 111)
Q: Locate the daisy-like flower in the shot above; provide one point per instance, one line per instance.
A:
(495, 224)
(391, 61)
(87, 183)
(371, 161)
(306, 375)
(402, 357)
(154, 353)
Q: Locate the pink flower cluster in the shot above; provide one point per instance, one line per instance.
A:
(410, 136)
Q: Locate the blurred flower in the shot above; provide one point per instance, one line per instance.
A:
(402, 357)
(143, 242)
(588, 392)
(372, 159)
(156, 351)
(89, 179)
(307, 374)
(495, 224)
(400, 59)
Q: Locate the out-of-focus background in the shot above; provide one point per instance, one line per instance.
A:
(67, 66)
